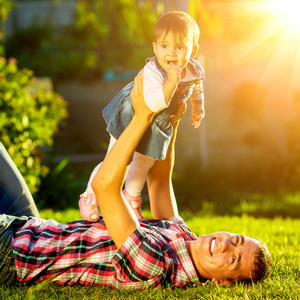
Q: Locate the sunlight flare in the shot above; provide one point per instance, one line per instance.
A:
(271, 42)
(287, 12)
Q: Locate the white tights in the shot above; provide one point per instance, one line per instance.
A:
(137, 174)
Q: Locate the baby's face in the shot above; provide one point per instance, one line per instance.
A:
(169, 49)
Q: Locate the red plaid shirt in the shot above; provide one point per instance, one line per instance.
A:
(83, 253)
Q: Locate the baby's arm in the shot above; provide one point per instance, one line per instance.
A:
(157, 91)
(197, 113)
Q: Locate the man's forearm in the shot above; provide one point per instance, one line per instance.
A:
(160, 188)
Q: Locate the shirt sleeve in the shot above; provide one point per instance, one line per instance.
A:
(153, 87)
(198, 92)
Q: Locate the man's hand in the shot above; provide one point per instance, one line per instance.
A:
(159, 180)
(137, 97)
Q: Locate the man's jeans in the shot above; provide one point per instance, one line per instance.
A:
(16, 206)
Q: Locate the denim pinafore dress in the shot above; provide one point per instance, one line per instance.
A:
(154, 144)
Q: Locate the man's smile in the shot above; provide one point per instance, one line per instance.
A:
(212, 246)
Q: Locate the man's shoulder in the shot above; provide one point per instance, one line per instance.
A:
(174, 225)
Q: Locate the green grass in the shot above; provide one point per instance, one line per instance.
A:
(281, 235)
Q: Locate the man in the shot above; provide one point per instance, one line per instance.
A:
(119, 251)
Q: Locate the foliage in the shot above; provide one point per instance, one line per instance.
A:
(61, 187)
(111, 35)
(35, 47)
(281, 236)
(219, 19)
(251, 190)
(28, 119)
(5, 8)
(257, 151)
(107, 35)
(116, 30)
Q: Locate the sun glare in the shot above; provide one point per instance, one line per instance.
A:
(284, 22)
(286, 12)
(273, 48)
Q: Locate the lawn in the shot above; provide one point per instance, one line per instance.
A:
(281, 235)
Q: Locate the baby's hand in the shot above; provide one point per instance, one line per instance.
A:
(174, 72)
(197, 114)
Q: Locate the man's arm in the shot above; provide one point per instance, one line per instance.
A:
(107, 183)
(159, 180)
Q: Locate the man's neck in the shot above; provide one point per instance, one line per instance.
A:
(191, 248)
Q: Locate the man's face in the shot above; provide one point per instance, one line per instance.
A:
(223, 255)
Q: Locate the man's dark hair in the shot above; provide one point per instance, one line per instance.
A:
(262, 265)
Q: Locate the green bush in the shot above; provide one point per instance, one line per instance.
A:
(105, 35)
(61, 187)
(55, 54)
(28, 119)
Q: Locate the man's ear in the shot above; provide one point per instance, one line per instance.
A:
(194, 51)
(219, 282)
(154, 48)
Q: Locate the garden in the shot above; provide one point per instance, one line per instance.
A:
(243, 175)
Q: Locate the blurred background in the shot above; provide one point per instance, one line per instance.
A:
(244, 158)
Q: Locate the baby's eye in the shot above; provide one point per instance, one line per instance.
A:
(180, 47)
(164, 46)
(237, 240)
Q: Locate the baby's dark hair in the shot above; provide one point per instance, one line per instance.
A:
(178, 23)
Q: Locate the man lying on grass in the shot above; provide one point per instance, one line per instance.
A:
(119, 251)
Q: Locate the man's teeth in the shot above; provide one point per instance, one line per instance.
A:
(212, 246)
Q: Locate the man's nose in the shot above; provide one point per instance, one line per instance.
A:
(225, 245)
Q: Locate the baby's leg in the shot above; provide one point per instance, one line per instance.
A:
(89, 185)
(135, 181)
(88, 202)
(137, 174)
(111, 143)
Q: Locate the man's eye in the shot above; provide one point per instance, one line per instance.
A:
(237, 240)
(233, 259)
